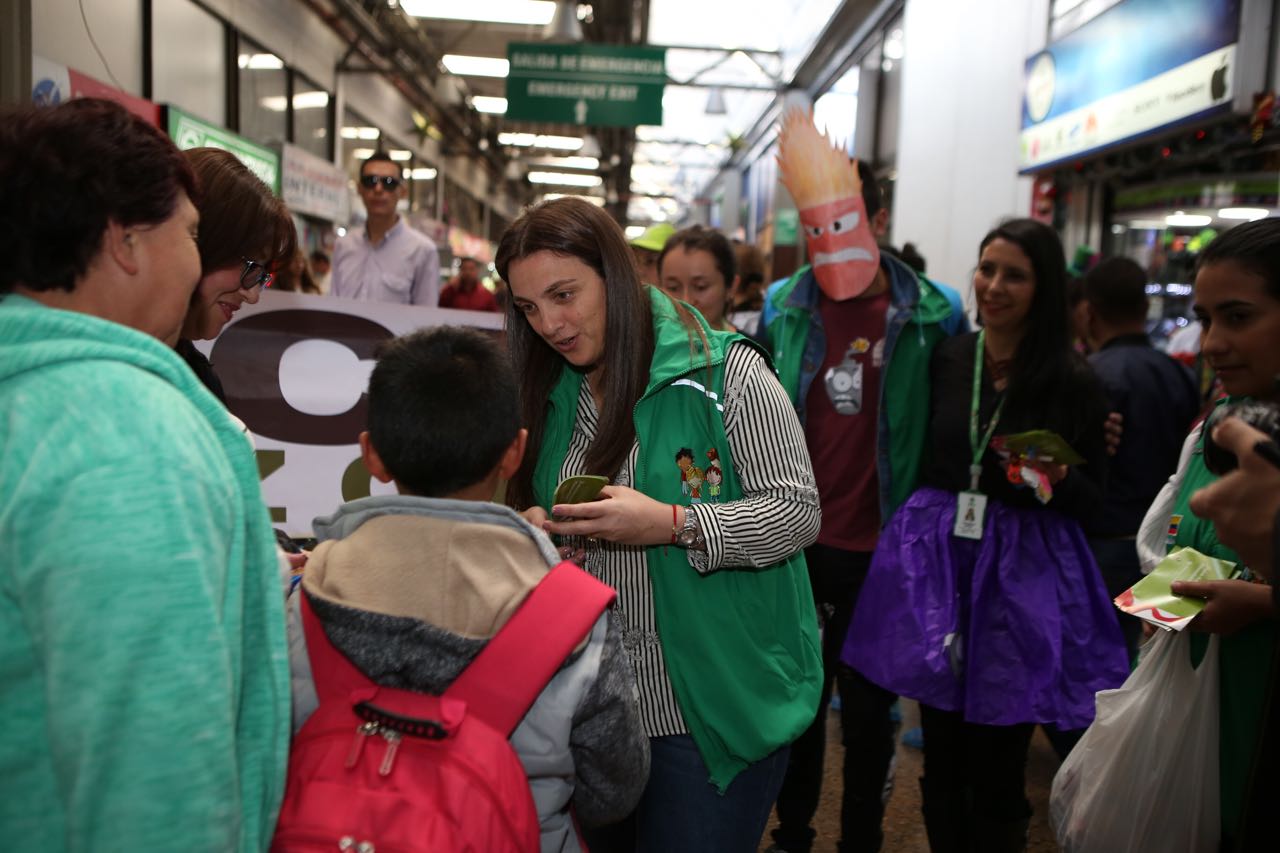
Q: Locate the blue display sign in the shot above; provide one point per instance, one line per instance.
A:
(1138, 66)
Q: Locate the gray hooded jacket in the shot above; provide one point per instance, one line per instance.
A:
(410, 589)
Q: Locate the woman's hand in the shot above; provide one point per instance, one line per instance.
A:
(1229, 605)
(621, 515)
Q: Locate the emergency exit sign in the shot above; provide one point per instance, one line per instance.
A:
(596, 84)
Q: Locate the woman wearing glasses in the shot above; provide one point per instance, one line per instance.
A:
(245, 231)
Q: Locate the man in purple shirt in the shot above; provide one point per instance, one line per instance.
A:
(387, 261)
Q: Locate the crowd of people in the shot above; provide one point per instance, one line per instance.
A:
(799, 488)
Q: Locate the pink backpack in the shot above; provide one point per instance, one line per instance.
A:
(382, 770)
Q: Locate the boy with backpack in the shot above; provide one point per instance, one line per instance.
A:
(412, 589)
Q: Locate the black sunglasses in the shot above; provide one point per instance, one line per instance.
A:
(249, 280)
(390, 183)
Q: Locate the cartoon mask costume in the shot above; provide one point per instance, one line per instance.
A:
(828, 193)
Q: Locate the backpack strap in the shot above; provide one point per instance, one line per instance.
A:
(333, 674)
(503, 681)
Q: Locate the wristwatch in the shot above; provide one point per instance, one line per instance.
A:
(690, 535)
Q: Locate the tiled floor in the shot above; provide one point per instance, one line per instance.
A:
(903, 827)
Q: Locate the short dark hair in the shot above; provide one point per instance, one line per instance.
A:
(1254, 245)
(1117, 291)
(698, 238)
(68, 171)
(433, 439)
(872, 195)
(467, 258)
(376, 157)
(319, 255)
(239, 215)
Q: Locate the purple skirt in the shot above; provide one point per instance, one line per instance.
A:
(1014, 628)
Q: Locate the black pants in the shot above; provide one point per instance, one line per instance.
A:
(836, 577)
(974, 786)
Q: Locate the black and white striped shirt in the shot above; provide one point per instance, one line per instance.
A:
(777, 516)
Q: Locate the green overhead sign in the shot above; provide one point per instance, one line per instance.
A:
(187, 131)
(595, 84)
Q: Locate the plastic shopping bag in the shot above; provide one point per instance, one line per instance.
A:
(1145, 775)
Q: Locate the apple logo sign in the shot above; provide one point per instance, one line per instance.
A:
(1218, 83)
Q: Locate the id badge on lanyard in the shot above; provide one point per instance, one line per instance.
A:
(971, 504)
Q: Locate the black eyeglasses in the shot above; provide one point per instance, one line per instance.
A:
(390, 183)
(249, 279)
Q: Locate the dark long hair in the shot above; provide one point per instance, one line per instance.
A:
(239, 215)
(575, 228)
(1044, 356)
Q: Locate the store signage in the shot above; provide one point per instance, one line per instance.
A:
(313, 186)
(595, 84)
(1139, 66)
(187, 131)
(295, 369)
(52, 83)
(464, 244)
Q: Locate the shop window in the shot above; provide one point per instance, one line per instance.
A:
(189, 59)
(264, 92)
(424, 180)
(461, 210)
(360, 138)
(312, 107)
(892, 53)
(836, 111)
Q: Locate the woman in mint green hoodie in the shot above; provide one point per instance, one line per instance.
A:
(143, 674)
(711, 501)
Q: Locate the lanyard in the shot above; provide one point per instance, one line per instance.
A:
(979, 447)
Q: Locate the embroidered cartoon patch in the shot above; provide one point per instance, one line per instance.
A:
(859, 346)
(715, 476)
(691, 476)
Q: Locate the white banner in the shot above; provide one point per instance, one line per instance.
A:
(1199, 85)
(295, 369)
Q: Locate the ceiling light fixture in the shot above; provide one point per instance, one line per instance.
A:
(359, 133)
(536, 13)
(566, 162)
(260, 61)
(531, 140)
(1187, 220)
(422, 173)
(489, 104)
(400, 155)
(564, 26)
(476, 66)
(1248, 213)
(594, 199)
(568, 179)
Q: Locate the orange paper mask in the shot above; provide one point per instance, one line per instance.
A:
(828, 193)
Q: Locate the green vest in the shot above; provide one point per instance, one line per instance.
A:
(1244, 657)
(741, 645)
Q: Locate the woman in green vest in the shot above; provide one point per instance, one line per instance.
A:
(1237, 301)
(710, 503)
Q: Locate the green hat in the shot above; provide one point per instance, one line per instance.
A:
(654, 237)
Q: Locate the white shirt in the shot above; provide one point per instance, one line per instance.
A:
(403, 268)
